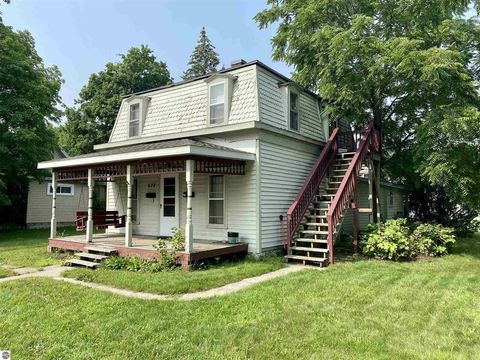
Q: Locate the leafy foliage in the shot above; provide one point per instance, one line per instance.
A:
(389, 241)
(203, 60)
(433, 240)
(98, 103)
(432, 204)
(29, 96)
(136, 264)
(399, 240)
(411, 66)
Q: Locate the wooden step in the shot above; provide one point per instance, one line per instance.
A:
(315, 232)
(309, 240)
(304, 248)
(306, 258)
(315, 224)
(91, 256)
(83, 263)
(105, 250)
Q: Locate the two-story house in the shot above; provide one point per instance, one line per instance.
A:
(235, 151)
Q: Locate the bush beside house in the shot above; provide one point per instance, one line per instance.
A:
(397, 239)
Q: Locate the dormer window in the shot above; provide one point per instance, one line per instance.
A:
(217, 104)
(293, 115)
(134, 123)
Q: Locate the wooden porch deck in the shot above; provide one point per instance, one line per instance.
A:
(143, 247)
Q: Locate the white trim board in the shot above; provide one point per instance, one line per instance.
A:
(148, 154)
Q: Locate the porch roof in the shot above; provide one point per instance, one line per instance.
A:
(161, 149)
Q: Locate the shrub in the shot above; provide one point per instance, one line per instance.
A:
(433, 239)
(399, 240)
(137, 264)
(389, 241)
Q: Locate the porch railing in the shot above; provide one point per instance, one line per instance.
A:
(297, 210)
(369, 142)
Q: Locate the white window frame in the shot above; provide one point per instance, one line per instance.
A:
(139, 120)
(225, 103)
(224, 224)
(289, 109)
(50, 190)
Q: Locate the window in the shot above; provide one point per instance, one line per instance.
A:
(293, 118)
(135, 201)
(62, 189)
(216, 200)
(134, 123)
(391, 197)
(217, 104)
(169, 196)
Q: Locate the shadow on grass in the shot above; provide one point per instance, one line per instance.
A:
(469, 246)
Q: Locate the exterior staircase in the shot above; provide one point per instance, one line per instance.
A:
(314, 219)
(92, 256)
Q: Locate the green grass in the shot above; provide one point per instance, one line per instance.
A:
(178, 281)
(6, 273)
(369, 309)
(29, 247)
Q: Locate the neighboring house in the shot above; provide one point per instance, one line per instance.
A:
(228, 152)
(74, 198)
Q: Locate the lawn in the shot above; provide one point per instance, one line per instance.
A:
(367, 309)
(179, 281)
(29, 247)
(6, 273)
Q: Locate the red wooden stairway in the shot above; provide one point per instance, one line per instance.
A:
(314, 218)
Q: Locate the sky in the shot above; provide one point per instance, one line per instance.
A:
(81, 36)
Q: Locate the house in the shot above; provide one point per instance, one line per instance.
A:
(73, 194)
(235, 151)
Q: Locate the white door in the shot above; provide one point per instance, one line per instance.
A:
(168, 204)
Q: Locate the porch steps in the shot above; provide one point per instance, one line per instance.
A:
(83, 263)
(93, 256)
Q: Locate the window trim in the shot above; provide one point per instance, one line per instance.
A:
(71, 186)
(297, 93)
(139, 103)
(224, 224)
(227, 82)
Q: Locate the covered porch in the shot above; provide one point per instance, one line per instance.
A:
(128, 164)
(144, 247)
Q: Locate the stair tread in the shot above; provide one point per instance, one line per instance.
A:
(307, 258)
(101, 249)
(303, 248)
(85, 263)
(92, 256)
(319, 232)
(315, 224)
(317, 241)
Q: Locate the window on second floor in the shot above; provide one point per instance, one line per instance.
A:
(293, 111)
(217, 104)
(134, 121)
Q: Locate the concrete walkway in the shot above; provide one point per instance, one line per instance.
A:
(54, 272)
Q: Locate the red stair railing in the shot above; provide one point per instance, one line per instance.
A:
(297, 210)
(369, 142)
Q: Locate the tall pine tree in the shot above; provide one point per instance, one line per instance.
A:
(204, 59)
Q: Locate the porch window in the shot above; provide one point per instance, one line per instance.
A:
(62, 189)
(134, 123)
(217, 104)
(293, 104)
(135, 201)
(216, 200)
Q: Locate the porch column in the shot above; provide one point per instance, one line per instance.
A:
(89, 235)
(376, 167)
(190, 166)
(53, 222)
(356, 220)
(128, 223)
(371, 192)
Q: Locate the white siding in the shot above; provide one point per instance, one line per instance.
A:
(184, 107)
(39, 204)
(240, 198)
(283, 172)
(389, 211)
(273, 107)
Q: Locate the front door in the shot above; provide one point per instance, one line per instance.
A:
(168, 204)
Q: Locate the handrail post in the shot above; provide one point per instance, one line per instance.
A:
(330, 239)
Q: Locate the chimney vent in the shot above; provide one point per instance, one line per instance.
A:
(238, 62)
